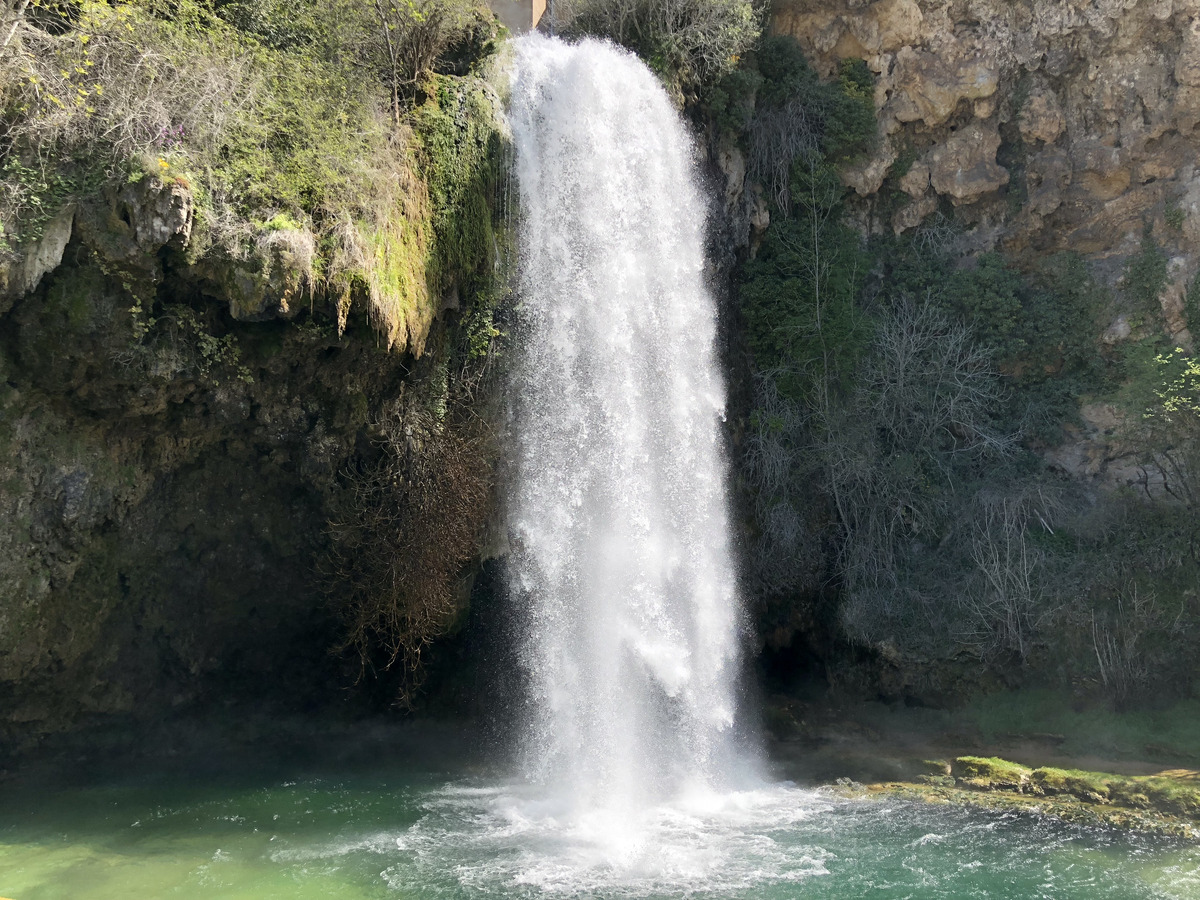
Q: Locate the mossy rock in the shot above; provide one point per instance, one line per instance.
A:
(1174, 795)
(936, 767)
(991, 773)
(1178, 796)
(937, 780)
(1089, 786)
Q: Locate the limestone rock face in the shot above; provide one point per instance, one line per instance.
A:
(1050, 125)
(927, 86)
(130, 224)
(915, 182)
(745, 210)
(866, 176)
(23, 272)
(272, 279)
(127, 225)
(881, 27)
(1047, 176)
(1041, 118)
(1187, 67)
(964, 167)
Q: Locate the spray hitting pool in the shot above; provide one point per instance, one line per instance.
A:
(413, 830)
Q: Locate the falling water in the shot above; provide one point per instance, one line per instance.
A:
(618, 521)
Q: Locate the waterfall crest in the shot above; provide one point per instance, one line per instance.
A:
(617, 508)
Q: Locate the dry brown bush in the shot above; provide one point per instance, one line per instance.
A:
(411, 523)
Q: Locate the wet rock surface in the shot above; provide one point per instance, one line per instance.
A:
(871, 752)
(166, 473)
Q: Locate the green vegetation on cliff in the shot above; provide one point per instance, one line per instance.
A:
(925, 391)
(313, 176)
(690, 42)
(247, 281)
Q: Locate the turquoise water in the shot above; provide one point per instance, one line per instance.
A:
(427, 831)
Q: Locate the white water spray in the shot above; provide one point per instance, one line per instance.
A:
(618, 515)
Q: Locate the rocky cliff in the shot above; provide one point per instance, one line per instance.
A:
(1036, 127)
(179, 427)
(1032, 179)
(1050, 125)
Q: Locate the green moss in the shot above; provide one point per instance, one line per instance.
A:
(1174, 793)
(402, 305)
(1066, 807)
(936, 767)
(1173, 215)
(460, 158)
(1089, 786)
(281, 222)
(991, 772)
(1171, 793)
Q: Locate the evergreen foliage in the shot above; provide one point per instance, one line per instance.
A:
(1146, 273)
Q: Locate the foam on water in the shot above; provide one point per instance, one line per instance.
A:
(408, 834)
(702, 842)
(617, 506)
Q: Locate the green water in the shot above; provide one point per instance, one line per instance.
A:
(430, 829)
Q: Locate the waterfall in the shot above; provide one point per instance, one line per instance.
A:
(617, 512)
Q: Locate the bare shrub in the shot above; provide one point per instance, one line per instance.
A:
(411, 521)
(778, 468)
(1136, 640)
(779, 136)
(412, 35)
(919, 412)
(1006, 602)
(928, 384)
(772, 446)
(125, 87)
(938, 236)
(699, 40)
(924, 395)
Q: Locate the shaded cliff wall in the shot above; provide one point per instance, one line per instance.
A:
(178, 426)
